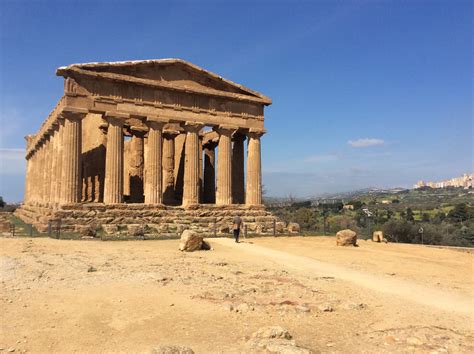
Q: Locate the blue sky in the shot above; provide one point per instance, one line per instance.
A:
(366, 93)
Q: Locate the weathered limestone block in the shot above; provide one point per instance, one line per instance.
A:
(136, 229)
(346, 237)
(110, 229)
(293, 228)
(377, 236)
(190, 241)
(280, 226)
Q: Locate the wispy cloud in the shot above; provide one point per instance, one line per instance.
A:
(361, 143)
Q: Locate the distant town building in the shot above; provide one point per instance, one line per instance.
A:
(465, 181)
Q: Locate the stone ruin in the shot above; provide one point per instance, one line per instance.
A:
(159, 143)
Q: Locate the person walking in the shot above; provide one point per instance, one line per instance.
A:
(236, 227)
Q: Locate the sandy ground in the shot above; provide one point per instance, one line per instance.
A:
(130, 296)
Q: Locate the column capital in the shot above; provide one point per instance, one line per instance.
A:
(170, 134)
(138, 131)
(155, 124)
(72, 113)
(225, 129)
(255, 133)
(193, 127)
(116, 117)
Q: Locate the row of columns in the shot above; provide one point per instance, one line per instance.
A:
(55, 168)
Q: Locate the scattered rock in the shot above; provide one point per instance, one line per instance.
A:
(270, 332)
(242, 308)
(355, 306)
(190, 241)
(274, 339)
(346, 237)
(293, 228)
(229, 307)
(377, 236)
(414, 341)
(172, 349)
(277, 346)
(205, 246)
(91, 269)
(302, 309)
(325, 308)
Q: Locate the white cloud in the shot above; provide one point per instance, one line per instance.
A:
(12, 161)
(361, 143)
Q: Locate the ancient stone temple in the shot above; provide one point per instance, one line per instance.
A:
(161, 143)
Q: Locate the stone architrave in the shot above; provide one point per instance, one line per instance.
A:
(191, 165)
(224, 165)
(71, 161)
(238, 170)
(168, 166)
(154, 171)
(113, 186)
(253, 193)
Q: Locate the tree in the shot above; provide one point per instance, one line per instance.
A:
(459, 213)
(2, 203)
(425, 217)
(400, 231)
(409, 215)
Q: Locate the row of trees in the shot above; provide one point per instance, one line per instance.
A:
(454, 228)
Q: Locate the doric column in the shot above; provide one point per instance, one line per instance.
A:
(113, 188)
(191, 165)
(168, 166)
(26, 198)
(153, 180)
(54, 162)
(48, 176)
(224, 166)
(59, 157)
(41, 171)
(238, 178)
(71, 162)
(253, 193)
(209, 194)
(136, 165)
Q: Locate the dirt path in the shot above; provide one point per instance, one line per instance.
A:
(438, 299)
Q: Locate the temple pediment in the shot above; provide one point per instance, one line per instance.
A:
(174, 74)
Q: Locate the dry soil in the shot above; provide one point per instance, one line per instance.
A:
(130, 296)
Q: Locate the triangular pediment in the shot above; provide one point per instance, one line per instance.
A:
(175, 73)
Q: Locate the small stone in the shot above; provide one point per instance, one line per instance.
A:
(302, 309)
(242, 308)
(272, 332)
(228, 307)
(330, 344)
(325, 308)
(414, 341)
(172, 349)
(390, 340)
(11, 350)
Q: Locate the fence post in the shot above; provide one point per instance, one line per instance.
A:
(49, 228)
(215, 227)
(31, 230)
(274, 227)
(245, 230)
(12, 229)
